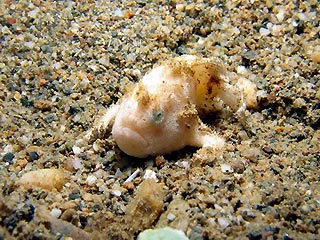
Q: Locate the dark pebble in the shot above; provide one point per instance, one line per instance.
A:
(73, 196)
(168, 197)
(50, 118)
(26, 213)
(124, 198)
(83, 156)
(33, 156)
(286, 237)
(248, 215)
(271, 229)
(275, 201)
(37, 142)
(74, 109)
(262, 208)
(56, 145)
(237, 205)
(268, 150)
(291, 217)
(83, 221)
(255, 235)
(46, 48)
(8, 157)
(25, 102)
(68, 92)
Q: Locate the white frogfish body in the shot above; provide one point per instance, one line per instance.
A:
(160, 114)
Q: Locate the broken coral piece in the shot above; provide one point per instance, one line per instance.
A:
(48, 179)
(146, 206)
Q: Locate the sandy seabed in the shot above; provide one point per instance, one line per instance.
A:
(62, 63)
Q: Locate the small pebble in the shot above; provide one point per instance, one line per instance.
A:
(76, 150)
(33, 156)
(56, 212)
(33, 13)
(223, 222)
(68, 215)
(118, 173)
(91, 180)
(8, 157)
(281, 14)
(242, 70)
(171, 217)
(251, 153)
(264, 31)
(29, 44)
(128, 185)
(225, 168)
(118, 13)
(11, 20)
(183, 164)
(150, 174)
(74, 196)
(315, 57)
(116, 193)
(299, 103)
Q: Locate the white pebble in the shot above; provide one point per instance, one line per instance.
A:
(91, 180)
(183, 164)
(262, 93)
(77, 117)
(280, 14)
(56, 212)
(104, 61)
(150, 174)
(29, 44)
(225, 168)
(103, 188)
(302, 17)
(116, 193)
(93, 67)
(7, 148)
(223, 222)
(171, 217)
(110, 155)
(295, 23)
(76, 163)
(264, 31)
(96, 147)
(56, 65)
(76, 150)
(118, 13)
(136, 73)
(269, 25)
(276, 29)
(241, 70)
(118, 173)
(33, 13)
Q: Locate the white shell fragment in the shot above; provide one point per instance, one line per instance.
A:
(161, 112)
(132, 176)
(225, 168)
(150, 174)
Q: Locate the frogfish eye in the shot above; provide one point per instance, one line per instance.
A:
(157, 117)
